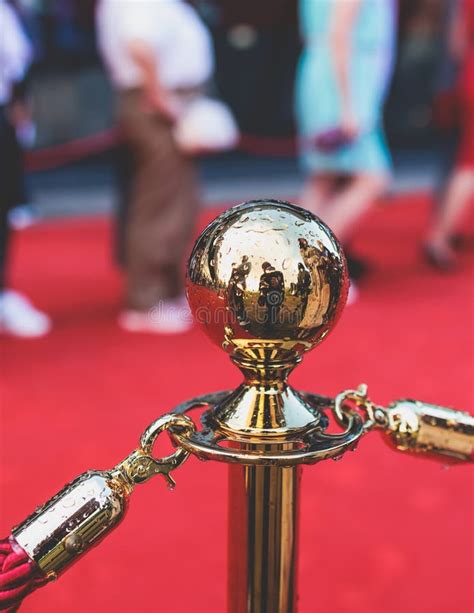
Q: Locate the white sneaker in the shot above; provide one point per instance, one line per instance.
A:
(22, 216)
(167, 317)
(20, 318)
(353, 293)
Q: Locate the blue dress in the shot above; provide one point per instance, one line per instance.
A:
(318, 101)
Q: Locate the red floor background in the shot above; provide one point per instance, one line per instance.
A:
(380, 531)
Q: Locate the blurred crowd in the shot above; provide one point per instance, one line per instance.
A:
(165, 60)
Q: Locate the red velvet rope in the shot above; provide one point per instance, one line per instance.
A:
(19, 575)
(58, 155)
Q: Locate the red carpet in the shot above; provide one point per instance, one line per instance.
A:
(380, 532)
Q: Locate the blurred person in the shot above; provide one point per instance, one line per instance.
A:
(271, 294)
(459, 189)
(342, 81)
(17, 315)
(159, 57)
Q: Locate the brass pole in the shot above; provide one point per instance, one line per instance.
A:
(263, 538)
(267, 281)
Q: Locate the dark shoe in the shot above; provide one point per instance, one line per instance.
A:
(440, 259)
(462, 242)
(457, 241)
(358, 268)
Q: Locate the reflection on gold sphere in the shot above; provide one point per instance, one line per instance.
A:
(267, 280)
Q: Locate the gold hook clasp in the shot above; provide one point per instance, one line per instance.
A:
(141, 465)
(376, 415)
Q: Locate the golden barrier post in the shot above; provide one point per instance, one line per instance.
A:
(267, 281)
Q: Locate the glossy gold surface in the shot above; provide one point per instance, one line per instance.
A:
(267, 281)
(413, 425)
(305, 446)
(422, 427)
(89, 507)
(74, 520)
(263, 539)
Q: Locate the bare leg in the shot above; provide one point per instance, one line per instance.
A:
(349, 205)
(316, 193)
(459, 194)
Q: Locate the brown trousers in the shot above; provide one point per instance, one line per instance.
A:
(163, 205)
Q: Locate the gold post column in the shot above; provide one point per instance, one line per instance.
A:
(267, 281)
(263, 538)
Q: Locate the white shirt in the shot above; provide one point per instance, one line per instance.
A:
(181, 41)
(15, 51)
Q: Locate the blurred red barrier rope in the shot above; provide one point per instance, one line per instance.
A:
(58, 155)
(73, 151)
(266, 145)
(19, 575)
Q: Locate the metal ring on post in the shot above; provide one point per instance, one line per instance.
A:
(308, 447)
(165, 422)
(141, 465)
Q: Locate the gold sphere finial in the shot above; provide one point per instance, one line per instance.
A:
(267, 281)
